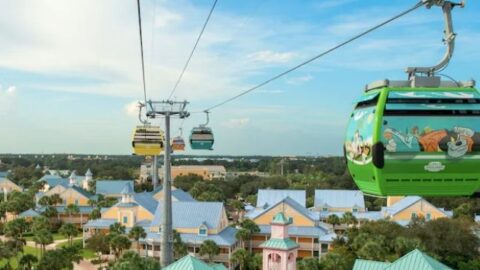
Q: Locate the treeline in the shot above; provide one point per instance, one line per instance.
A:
(451, 241)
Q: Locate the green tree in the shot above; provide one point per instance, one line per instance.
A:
(69, 230)
(16, 228)
(404, 245)
(251, 227)
(43, 238)
(338, 259)
(179, 247)
(243, 235)
(59, 259)
(209, 248)
(372, 250)
(70, 210)
(6, 253)
(27, 262)
(349, 219)
(237, 206)
(309, 264)
(44, 201)
(117, 228)
(132, 261)
(50, 212)
(55, 199)
(95, 214)
(241, 257)
(333, 220)
(40, 223)
(464, 210)
(98, 243)
(136, 233)
(119, 243)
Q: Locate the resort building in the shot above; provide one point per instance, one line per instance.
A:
(337, 202)
(403, 209)
(206, 172)
(196, 222)
(313, 236)
(7, 186)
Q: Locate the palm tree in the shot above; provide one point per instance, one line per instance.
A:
(333, 220)
(243, 235)
(118, 243)
(43, 238)
(136, 233)
(95, 214)
(55, 199)
(50, 212)
(117, 228)
(69, 230)
(241, 257)
(252, 227)
(45, 200)
(179, 248)
(209, 248)
(27, 261)
(71, 209)
(349, 219)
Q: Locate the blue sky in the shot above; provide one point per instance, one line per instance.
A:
(70, 70)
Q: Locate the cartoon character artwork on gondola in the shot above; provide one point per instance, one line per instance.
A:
(456, 141)
(358, 146)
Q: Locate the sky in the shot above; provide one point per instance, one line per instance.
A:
(70, 70)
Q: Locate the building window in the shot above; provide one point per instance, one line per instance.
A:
(428, 216)
(316, 254)
(355, 210)
(202, 231)
(76, 202)
(324, 248)
(315, 240)
(125, 219)
(324, 209)
(414, 215)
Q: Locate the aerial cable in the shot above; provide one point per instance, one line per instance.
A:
(193, 50)
(141, 52)
(416, 6)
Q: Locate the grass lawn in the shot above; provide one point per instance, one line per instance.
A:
(56, 236)
(85, 252)
(14, 261)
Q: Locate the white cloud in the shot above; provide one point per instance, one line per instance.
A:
(300, 79)
(268, 56)
(11, 90)
(165, 17)
(236, 122)
(131, 109)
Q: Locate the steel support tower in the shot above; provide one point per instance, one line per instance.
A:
(167, 109)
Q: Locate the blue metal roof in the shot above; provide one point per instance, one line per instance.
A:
(224, 238)
(4, 174)
(53, 180)
(182, 196)
(29, 213)
(146, 201)
(339, 198)
(269, 197)
(402, 204)
(111, 187)
(61, 209)
(192, 214)
(82, 191)
(100, 223)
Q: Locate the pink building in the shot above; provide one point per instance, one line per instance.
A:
(280, 252)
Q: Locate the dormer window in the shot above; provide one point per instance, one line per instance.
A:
(325, 209)
(355, 210)
(203, 230)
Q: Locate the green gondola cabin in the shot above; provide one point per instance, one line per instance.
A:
(404, 140)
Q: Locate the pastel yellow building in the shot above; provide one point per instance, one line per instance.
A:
(206, 172)
(313, 236)
(7, 186)
(404, 209)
